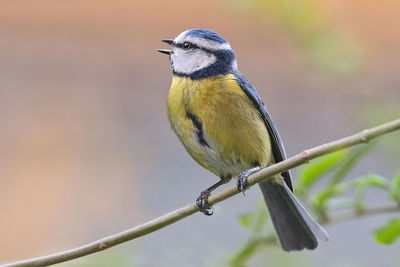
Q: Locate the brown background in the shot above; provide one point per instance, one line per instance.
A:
(86, 149)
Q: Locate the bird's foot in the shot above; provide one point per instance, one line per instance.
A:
(242, 178)
(202, 203)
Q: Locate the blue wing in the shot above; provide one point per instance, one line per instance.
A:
(278, 149)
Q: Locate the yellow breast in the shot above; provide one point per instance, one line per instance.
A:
(235, 136)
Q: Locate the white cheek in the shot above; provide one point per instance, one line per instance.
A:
(189, 62)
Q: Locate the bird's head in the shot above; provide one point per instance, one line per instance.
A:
(200, 53)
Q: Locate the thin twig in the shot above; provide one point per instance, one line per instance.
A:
(347, 216)
(189, 209)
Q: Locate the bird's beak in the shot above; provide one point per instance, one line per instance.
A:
(168, 41)
(167, 51)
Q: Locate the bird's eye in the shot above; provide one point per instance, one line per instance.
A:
(187, 45)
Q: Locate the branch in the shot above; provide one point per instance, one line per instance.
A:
(190, 209)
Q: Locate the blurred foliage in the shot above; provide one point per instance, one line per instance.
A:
(395, 189)
(389, 233)
(325, 200)
(304, 21)
(312, 172)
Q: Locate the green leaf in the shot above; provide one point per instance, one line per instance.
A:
(245, 220)
(395, 188)
(372, 181)
(242, 256)
(348, 163)
(359, 198)
(330, 192)
(315, 170)
(248, 251)
(389, 233)
(261, 221)
(256, 220)
(361, 184)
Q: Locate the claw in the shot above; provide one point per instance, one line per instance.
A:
(202, 203)
(242, 178)
(242, 182)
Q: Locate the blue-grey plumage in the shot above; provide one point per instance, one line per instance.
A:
(224, 125)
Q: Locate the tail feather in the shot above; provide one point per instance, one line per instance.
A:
(295, 228)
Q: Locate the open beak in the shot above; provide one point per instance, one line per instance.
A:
(167, 51)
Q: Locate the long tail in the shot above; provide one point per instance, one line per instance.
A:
(295, 228)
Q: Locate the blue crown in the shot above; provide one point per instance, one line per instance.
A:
(207, 35)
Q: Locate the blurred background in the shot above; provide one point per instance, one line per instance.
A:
(86, 149)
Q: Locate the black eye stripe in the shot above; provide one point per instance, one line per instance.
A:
(185, 45)
(192, 46)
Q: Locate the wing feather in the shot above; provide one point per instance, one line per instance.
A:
(278, 149)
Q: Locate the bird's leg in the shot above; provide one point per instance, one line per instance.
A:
(202, 200)
(242, 178)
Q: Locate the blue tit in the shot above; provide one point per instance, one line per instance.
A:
(224, 125)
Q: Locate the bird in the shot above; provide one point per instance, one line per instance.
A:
(225, 127)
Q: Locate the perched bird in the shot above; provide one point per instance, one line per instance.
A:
(224, 125)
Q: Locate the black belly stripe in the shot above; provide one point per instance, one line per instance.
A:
(199, 128)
